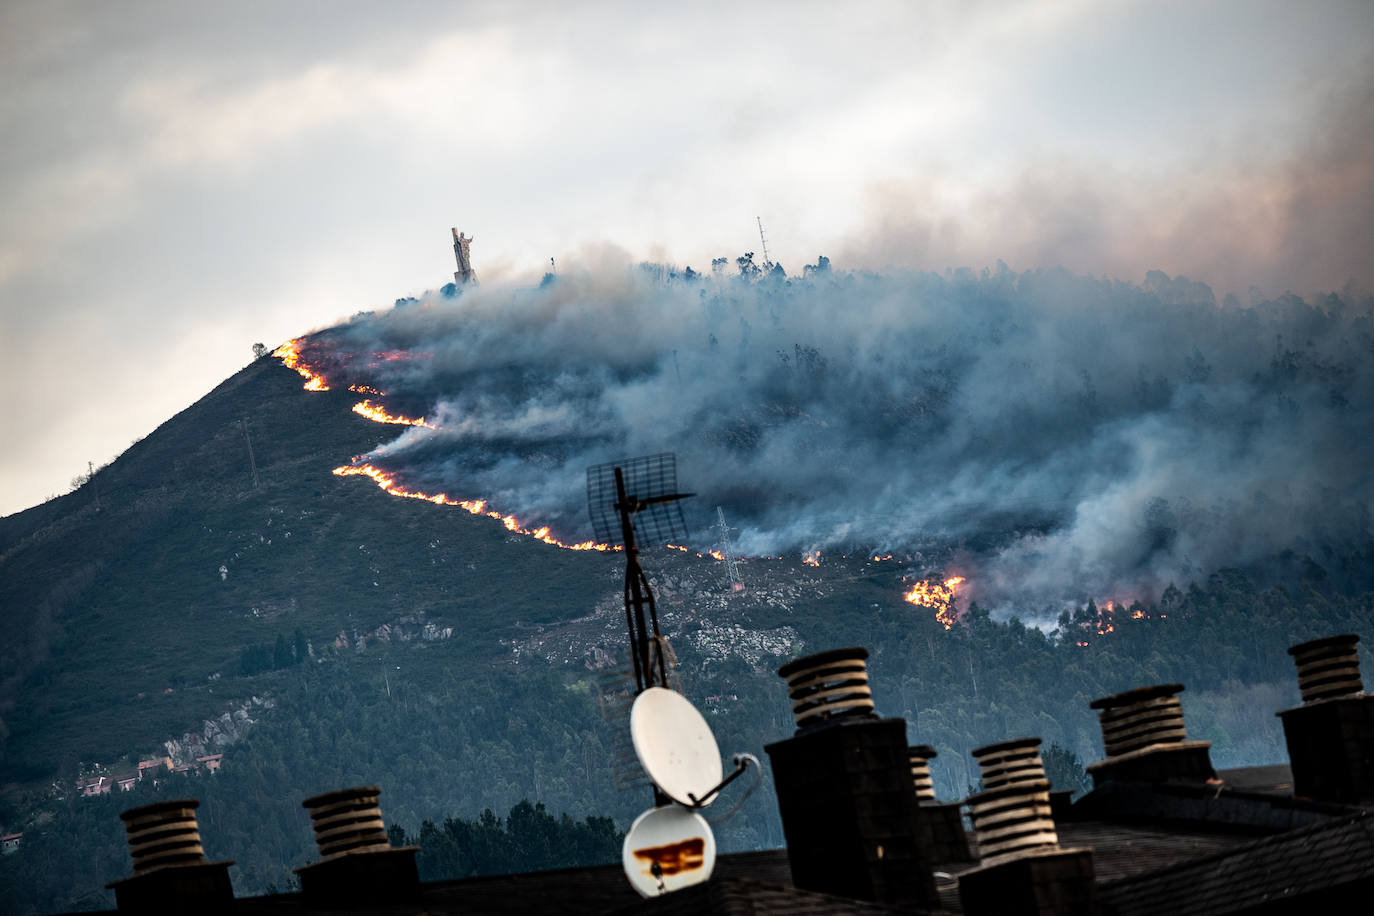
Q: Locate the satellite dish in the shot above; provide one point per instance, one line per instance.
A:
(675, 745)
(667, 849)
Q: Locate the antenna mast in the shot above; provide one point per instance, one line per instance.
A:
(763, 241)
(644, 487)
(723, 532)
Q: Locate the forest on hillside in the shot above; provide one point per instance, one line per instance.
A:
(450, 749)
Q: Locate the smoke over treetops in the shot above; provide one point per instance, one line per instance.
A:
(1064, 436)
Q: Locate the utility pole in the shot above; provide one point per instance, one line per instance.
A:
(252, 463)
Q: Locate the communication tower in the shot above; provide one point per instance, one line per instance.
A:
(723, 545)
(767, 262)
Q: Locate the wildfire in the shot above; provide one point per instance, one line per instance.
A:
(290, 355)
(717, 555)
(378, 415)
(387, 482)
(1104, 618)
(878, 559)
(812, 559)
(366, 389)
(937, 595)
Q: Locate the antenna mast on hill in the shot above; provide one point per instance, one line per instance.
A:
(763, 241)
(723, 534)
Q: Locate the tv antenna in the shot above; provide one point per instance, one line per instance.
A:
(668, 849)
(643, 493)
(763, 241)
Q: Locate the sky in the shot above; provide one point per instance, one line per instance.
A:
(184, 179)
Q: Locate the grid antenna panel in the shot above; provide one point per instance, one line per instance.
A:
(646, 479)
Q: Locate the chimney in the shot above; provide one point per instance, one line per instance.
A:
(1023, 871)
(170, 871)
(1145, 740)
(1331, 735)
(939, 828)
(920, 757)
(357, 862)
(844, 788)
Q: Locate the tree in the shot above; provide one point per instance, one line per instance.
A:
(259, 350)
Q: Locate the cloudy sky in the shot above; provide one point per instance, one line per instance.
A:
(182, 179)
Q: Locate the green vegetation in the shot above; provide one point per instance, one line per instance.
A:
(436, 655)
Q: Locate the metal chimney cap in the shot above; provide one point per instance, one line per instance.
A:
(822, 658)
(1138, 695)
(340, 795)
(159, 808)
(1013, 744)
(923, 751)
(1345, 639)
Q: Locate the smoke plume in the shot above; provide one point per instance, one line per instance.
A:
(1055, 436)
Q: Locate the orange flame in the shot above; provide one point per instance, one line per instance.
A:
(387, 482)
(812, 559)
(378, 415)
(937, 595)
(717, 555)
(366, 389)
(878, 559)
(290, 355)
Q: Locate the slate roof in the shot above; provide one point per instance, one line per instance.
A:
(742, 884)
(1313, 868)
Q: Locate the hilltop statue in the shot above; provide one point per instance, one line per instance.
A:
(464, 275)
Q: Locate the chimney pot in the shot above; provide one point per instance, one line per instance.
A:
(1145, 739)
(828, 685)
(1023, 871)
(844, 788)
(920, 757)
(1330, 736)
(170, 871)
(1328, 667)
(357, 861)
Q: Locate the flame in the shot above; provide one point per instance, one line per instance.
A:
(366, 389)
(812, 559)
(378, 415)
(937, 595)
(290, 355)
(1138, 615)
(388, 483)
(717, 555)
(878, 559)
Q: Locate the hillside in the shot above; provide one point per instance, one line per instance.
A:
(123, 629)
(462, 666)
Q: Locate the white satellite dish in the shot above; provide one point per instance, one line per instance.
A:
(675, 745)
(667, 849)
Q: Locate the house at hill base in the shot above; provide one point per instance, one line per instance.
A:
(1161, 831)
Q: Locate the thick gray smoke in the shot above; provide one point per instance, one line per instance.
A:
(1054, 436)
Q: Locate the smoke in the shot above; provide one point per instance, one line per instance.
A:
(1304, 222)
(1052, 436)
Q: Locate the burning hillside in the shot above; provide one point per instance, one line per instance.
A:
(1068, 436)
